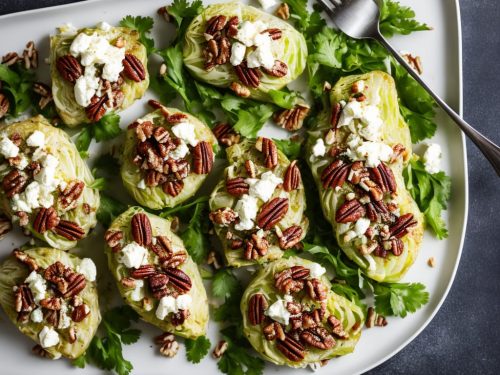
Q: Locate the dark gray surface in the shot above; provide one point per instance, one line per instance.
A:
(464, 337)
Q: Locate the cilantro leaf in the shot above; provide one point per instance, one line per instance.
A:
(197, 349)
(109, 209)
(248, 116)
(183, 12)
(143, 25)
(399, 298)
(289, 147)
(431, 192)
(224, 283)
(398, 19)
(107, 128)
(237, 361)
(17, 86)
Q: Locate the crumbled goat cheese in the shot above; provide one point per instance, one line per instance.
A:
(372, 152)
(263, 54)
(246, 208)
(138, 292)
(141, 184)
(363, 119)
(319, 148)
(36, 315)
(38, 286)
(86, 86)
(263, 187)
(238, 51)
(87, 268)
(316, 270)
(7, 148)
(266, 4)
(183, 302)
(134, 255)
(23, 163)
(279, 312)
(179, 152)
(432, 158)
(186, 132)
(166, 306)
(48, 337)
(250, 35)
(361, 226)
(36, 139)
(248, 31)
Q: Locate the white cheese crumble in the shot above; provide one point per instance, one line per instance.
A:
(372, 152)
(185, 131)
(38, 286)
(279, 312)
(183, 302)
(266, 4)
(169, 304)
(361, 226)
(87, 268)
(36, 315)
(23, 163)
(134, 255)
(138, 292)
(141, 184)
(264, 187)
(36, 139)
(319, 148)
(179, 152)
(316, 270)
(248, 31)
(250, 34)
(104, 26)
(246, 208)
(263, 54)
(432, 158)
(86, 86)
(238, 51)
(7, 148)
(48, 337)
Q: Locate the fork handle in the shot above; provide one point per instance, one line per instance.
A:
(489, 149)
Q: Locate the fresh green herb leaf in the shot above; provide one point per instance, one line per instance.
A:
(109, 209)
(289, 147)
(399, 299)
(238, 361)
(143, 25)
(398, 19)
(183, 12)
(224, 284)
(183, 208)
(107, 128)
(17, 86)
(431, 192)
(197, 349)
(99, 184)
(195, 235)
(284, 98)
(83, 140)
(107, 164)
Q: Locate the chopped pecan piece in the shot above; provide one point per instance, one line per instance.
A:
(290, 237)
(292, 177)
(292, 119)
(113, 238)
(291, 348)
(24, 301)
(144, 130)
(317, 337)
(173, 188)
(337, 328)
(158, 284)
(79, 313)
(69, 230)
(350, 211)
(274, 331)
(143, 272)
(284, 281)
(283, 11)
(220, 349)
(141, 229)
(402, 225)
(269, 151)
(374, 190)
(240, 90)
(133, 68)
(377, 210)
(163, 248)
(55, 272)
(272, 212)
(279, 69)
(396, 246)
(14, 183)
(382, 175)
(10, 58)
(69, 197)
(335, 116)
(256, 246)
(179, 279)
(232, 26)
(45, 220)
(250, 168)
(335, 174)
(256, 307)
(225, 134)
(174, 260)
(52, 303)
(69, 68)
(248, 76)
(223, 216)
(316, 290)
(45, 93)
(4, 105)
(26, 259)
(294, 308)
(237, 186)
(203, 158)
(40, 351)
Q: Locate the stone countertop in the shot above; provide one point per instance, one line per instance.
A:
(464, 336)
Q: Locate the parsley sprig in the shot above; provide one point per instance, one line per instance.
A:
(107, 128)
(197, 349)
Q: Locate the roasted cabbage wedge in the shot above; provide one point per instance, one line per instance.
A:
(125, 90)
(290, 48)
(47, 187)
(157, 288)
(325, 325)
(48, 290)
(375, 220)
(161, 169)
(261, 179)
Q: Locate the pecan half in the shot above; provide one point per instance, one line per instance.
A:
(402, 225)
(337, 328)
(158, 284)
(250, 168)
(52, 303)
(396, 246)
(76, 283)
(143, 272)
(290, 237)
(45, 220)
(97, 107)
(24, 301)
(335, 115)
(237, 186)
(55, 272)
(317, 337)
(69, 68)
(294, 308)
(272, 212)
(284, 282)
(248, 76)
(225, 134)
(349, 212)
(216, 23)
(335, 174)
(79, 313)
(133, 68)
(25, 259)
(291, 348)
(292, 177)
(299, 272)
(203, 158)
(223, 216)
(256, 307)
(4, 105)
(232, 26)
(377, 211)
(255, 247)
(174, 260)
(45, 93)
(173, 188)
(69, 197)
(274, 331)
(279, 69)
(113, 238)
(274, 33)
(316, 290)
(382, 175)
(269, 151)
(14, 183)
(141, 229)
(70, 230)
(179, 279)
(292, 119)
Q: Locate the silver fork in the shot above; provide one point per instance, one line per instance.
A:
(359, 19)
